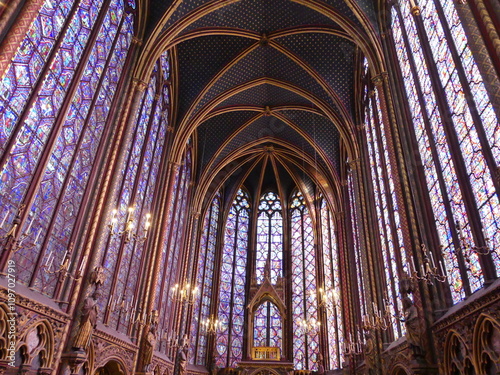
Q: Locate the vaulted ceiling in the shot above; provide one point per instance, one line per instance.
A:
(264, 82)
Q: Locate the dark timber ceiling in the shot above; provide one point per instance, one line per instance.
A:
(258, 75)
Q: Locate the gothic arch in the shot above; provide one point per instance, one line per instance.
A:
(457, 355)
(486, 345)
(3, 330)
(36, 346)
(113, 366)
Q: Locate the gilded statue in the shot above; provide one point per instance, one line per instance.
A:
(88, 322)
(413, 331)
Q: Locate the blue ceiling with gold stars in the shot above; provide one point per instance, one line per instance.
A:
(245, 68)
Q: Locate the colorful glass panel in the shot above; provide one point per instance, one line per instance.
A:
(269, 238)
(229, 340)
(57, 199)
(335, 330)
(204, 280)
(267, 326)
(304, 302)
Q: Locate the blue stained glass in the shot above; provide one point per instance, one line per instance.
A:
(229, 340)
(269, 237)
(466, 128)
(304, 303)
(204, 282)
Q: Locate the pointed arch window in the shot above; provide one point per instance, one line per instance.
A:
(335, 329)
(386, 203)
(229, 341)
(269, 237)
(458, 135)
(304, 302)
(123, 261)
(268, 329)
(55, 98)
(204, 280)
(174, 227)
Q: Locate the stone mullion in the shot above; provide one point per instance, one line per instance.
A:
(400, 179)
(189, 241)
(59, 119)
(118, 104)
(320, 275)
(66, 182)
(407, 221)
(172, 172)
(175, 309)
(456, 155)
(183, 309)
(97, 228)
(148, 285)
(251, 270)
(287, 275)
(429, 218)
(487, 154)
(379, 235)
(214, 300)
(199, 229)
(163, 192)
(120, 183)
(371, 265)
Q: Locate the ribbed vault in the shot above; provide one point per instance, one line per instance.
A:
(264, 84)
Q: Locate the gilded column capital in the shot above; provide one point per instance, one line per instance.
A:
(139, 84)
(360, 127)
(136, 40)
(174, 165)
(343, 182)
(170, 129)
(354, 164)
(195, 214)
(379, 79)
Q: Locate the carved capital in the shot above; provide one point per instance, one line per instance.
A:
(379, 79)
(174, 165)
(136, 40)
(354, 164)
(139, 84)
(170, 129)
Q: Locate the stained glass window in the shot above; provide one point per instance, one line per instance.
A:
(229, 340)
(174, 235)
(268, 330)
(123, 258)
(39, 133)
(451, 126)
(204, 280)
(269, 237)
(386, 203)
(304, 302)
(335, 329)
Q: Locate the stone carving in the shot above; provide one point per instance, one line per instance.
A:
(149, 343)
(413, 329)
(88, 321)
